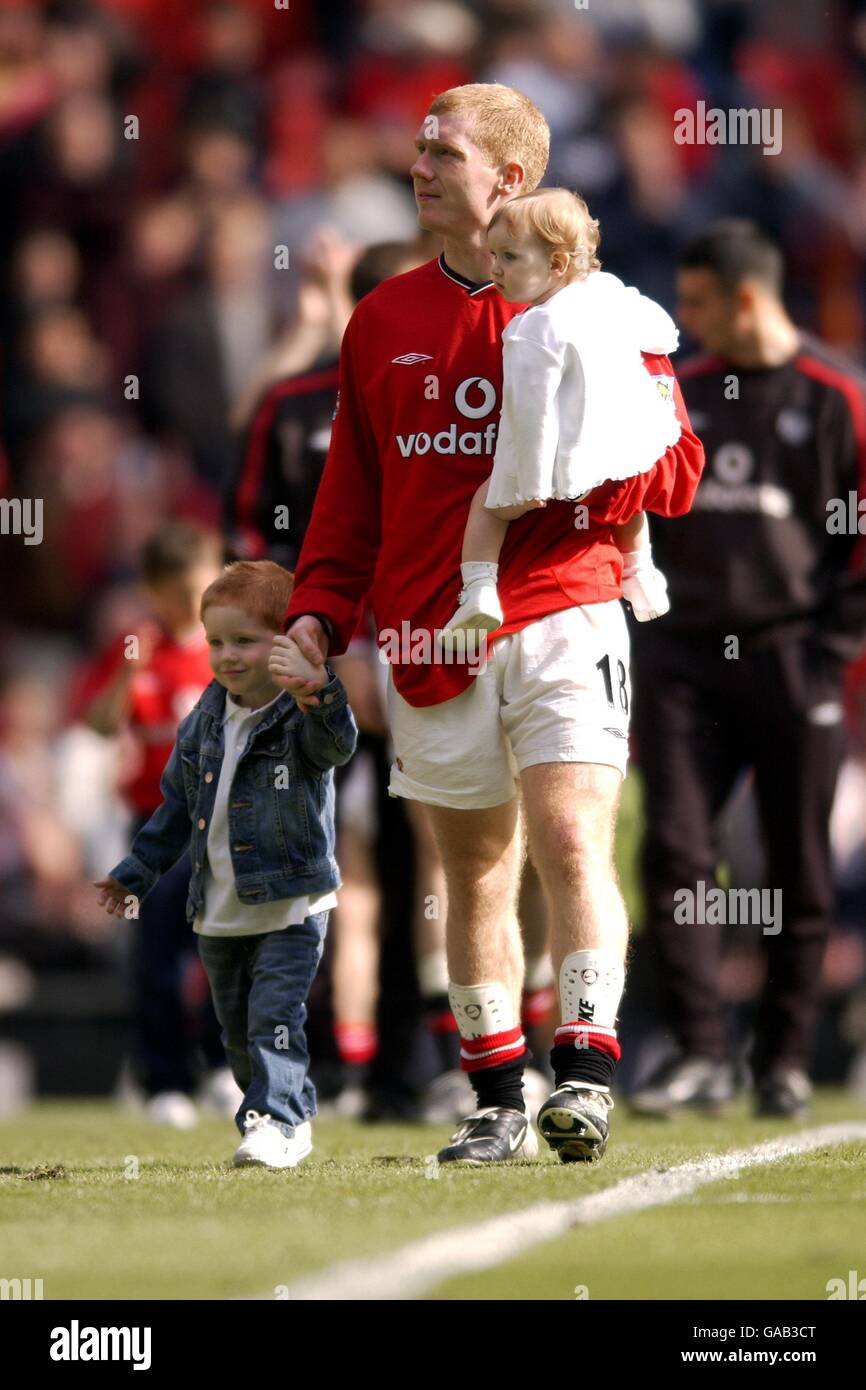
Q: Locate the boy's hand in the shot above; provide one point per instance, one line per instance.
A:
(291, 669)
(112, 896)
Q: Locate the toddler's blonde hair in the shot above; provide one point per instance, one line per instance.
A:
(561, 220)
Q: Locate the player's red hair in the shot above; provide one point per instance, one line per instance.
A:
(505, 125)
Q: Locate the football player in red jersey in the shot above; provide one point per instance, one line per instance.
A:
(545, 710)
(144, 689)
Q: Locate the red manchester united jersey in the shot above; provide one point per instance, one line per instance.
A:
(160, 696)
(414, 436)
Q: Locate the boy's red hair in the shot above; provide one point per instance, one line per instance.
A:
(259, 587)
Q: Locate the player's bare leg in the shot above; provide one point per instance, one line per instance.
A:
(571, 819)
(482, 854)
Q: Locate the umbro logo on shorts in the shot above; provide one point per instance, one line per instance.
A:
(409, 358)
(617, 733)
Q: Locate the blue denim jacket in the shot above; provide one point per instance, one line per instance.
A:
(281, 803)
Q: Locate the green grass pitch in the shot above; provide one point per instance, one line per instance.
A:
(99, 1204)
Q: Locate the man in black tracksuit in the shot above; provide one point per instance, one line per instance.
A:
(768, 602)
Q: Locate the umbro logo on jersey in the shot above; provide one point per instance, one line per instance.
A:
(409, 358)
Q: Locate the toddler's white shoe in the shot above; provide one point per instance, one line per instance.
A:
(644, 586)
(172, 1108)
(479, 611)
(265, 1144)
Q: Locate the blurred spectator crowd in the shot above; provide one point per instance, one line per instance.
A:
(185, 189)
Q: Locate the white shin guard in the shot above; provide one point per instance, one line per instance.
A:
(482, 1010)
(590, 987)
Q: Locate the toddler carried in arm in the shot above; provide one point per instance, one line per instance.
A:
(579, 407)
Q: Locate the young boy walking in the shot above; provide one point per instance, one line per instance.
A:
(142, 696)
(249, 787)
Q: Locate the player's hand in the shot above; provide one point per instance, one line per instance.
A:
(291, 669)
(113, 896)
(311, 637)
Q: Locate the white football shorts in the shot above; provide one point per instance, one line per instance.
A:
(556, 692)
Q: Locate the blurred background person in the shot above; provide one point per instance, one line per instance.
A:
(768, 602)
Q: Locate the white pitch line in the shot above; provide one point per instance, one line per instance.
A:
(414, 1269)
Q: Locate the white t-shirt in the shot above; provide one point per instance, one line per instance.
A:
(578, 405)
(224, 914)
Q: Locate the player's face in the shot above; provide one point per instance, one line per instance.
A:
(456, 189)
(705, 310)
(524, 271)
(239, 645)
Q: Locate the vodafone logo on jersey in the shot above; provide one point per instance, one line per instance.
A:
(475, 397)
(479, 386)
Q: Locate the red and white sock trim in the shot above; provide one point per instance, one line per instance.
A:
(589, 1035)
(490, 1051)
(357, 1043)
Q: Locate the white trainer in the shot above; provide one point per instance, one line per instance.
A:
(220, 1093)
(172, 1108)
(644, 586)
(265, 1144)
(479, 611)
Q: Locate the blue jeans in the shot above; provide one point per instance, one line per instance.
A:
(260, 986)
(168, 1030)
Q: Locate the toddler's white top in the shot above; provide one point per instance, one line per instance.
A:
(224, 913)
(578, 405)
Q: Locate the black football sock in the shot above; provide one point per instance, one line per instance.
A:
(587, 1064)
(501, 1085)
